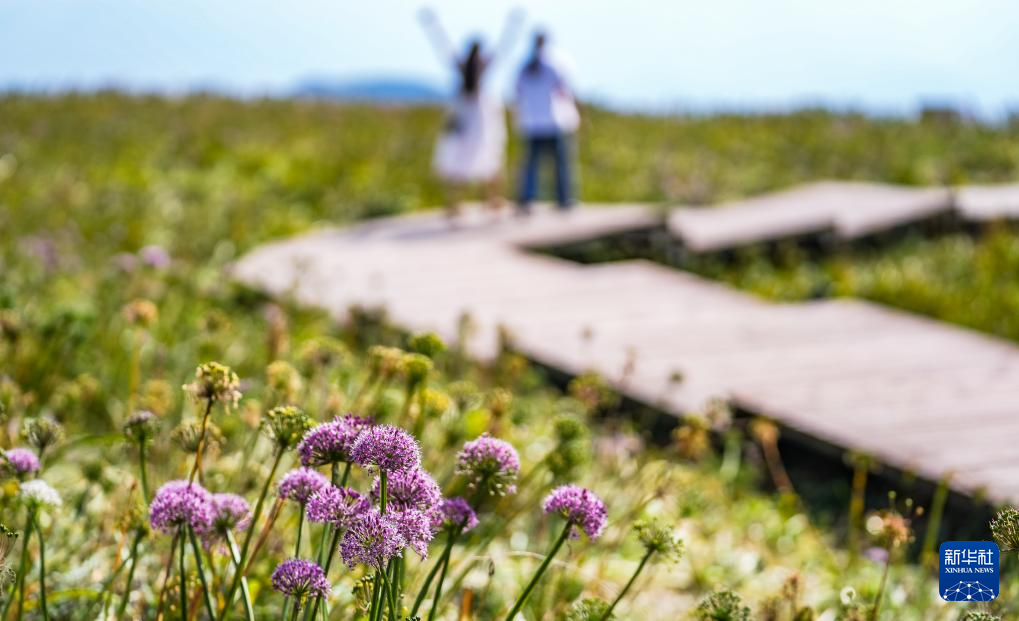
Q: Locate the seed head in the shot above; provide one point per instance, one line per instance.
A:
(141, 426)
(187, 435)
(286, 425)
(42, 432)
(415, 368)
(658, 539)
(1005, 529)
(722, 606)
(215, 382)
(434, 402)
(427, 344)
(589, 609)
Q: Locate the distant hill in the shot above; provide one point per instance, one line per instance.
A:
(382, 90)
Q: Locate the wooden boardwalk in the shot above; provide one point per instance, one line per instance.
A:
(920, 395)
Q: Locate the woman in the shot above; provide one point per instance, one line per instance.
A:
(471, 148)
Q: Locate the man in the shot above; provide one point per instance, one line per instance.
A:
(547, 118)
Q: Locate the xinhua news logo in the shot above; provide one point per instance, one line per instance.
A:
(968, 571)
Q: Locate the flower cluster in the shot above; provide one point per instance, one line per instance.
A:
(338, 506)
(409, 489)
(21, 461)
(416, 529)
(658, 539)
(301, 483)
(229, 512)
(386, 447)
(372, 539)
(180, 503)
(1005, 529)
(286, 425)
(454, 513)
(142, 313)
(141, 426)
(215, 382)
(42, 432)
(38, 493)
(578, 506)
(331, 442)
(489, 464)
(300, 580)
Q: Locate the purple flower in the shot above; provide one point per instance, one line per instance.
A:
(179, 503)
(409, 489)
(578, 506)
(489, 464)
(22, 460)
(155, 256)
(229, 512)
(330, 443)
(300, 579)
(387, 448)
(454, 513)
(416, 529)
(372, 539)
(337, 506)
(301, 484)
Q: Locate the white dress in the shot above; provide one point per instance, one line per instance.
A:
(472, 145)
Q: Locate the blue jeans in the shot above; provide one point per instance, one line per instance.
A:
(560, 147)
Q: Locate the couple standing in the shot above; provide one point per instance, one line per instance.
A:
(471, 148)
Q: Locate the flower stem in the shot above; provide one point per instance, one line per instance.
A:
(239, 573)
(130, 577)
(166, 578)
(197, 549)
(183, 577)
(442, 579)
(541, 570)
(431, 575)
(881, 588)
(201, 441)
(633, 578)
(297, 609)
(235, 557)
(143, 470)
(24, 563)
(42, 569)
(297, 554)
(388, 591)
(383, 491)
(329, 563)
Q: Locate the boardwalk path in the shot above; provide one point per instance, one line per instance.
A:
(920, 395)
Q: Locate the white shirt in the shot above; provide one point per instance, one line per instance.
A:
(544, 103)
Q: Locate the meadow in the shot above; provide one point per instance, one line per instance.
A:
(119, 215)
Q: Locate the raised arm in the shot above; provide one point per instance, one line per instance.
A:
(437, 36)
(510, 30)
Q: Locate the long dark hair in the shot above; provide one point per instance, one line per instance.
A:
(534, 62)
(471, 68)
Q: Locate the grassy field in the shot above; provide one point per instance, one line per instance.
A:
(106, 200)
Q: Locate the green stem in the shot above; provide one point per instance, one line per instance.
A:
(387, 590)
(633, 578)
(438, 585)
(24, 563)
(329, 563)
(166, 576)
(537, 575)
(251, 531)
(183, 577)
(130, 577)
(297, 609)
(245, 592)
(297, 554)
(143, 470)
(383, 491)
(201, 441)
(431, 575)
(881, 589)
(197, 549)
(42, 569)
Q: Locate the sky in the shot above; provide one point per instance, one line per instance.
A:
(885, 56)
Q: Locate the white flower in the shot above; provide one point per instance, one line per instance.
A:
(40, 493)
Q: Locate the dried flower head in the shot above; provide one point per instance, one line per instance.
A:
(141, 426)
(409, 489)
(659, 539)
(283, 380)
(490, 465)
(286, 425)
(387, 448)
(300, 484)
(372, 539)
(427, 344)
(21, 461)
(180, 503)
(385, 361)
(722, 606)
(580, 507)
(39, 494)
(454, 513)
(301, 580)
(42, 432)
(415, 368)
(434, 403)
(7, 540)
(229, 512)
(330, 443)
(215, 382)
(1005, 529)
(589, 609)
(141, 313)
(889, 529)
(188, 435)
(322, 352)
(338, 506)
(416, 529)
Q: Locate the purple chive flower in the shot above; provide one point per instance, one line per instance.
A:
(387, 448)
(489, 464)
(454, 513)
(409, 489)
(22, 460)
(300, 580)
(372, 539)
(330, 443)
(155, 256)
(338, 506)
(229, 512)
(416, 529)
(301, 484)
(578, 506)
(179, 503)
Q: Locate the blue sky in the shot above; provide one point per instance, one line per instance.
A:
(883, 55)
